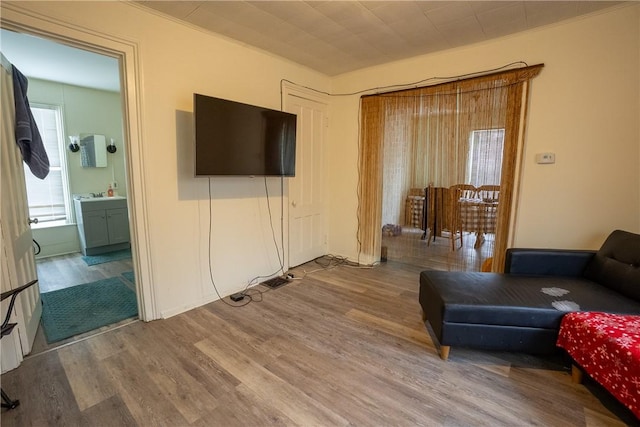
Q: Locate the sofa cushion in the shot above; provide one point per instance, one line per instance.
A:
(510, 300)
(617, 264)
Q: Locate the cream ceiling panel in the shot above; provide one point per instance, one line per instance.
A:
(335, 37)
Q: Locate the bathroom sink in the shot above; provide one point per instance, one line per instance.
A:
(90, 198)
(93, 199)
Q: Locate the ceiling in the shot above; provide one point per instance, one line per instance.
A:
(335, 37)
(47, 60)
(332, 37)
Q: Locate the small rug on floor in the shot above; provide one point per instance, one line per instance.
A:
(82, 308)
(108, 257)
(129, 276)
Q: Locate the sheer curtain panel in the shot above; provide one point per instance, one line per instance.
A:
(461, 132)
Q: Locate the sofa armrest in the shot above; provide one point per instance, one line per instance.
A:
(547, 262)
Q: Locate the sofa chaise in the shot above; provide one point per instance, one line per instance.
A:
(522, 308)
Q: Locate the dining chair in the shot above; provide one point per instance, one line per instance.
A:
(464, 191)
(458, 194)
(489, 193)
(490, 196)
(414, 208)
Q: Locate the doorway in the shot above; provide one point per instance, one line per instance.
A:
(81, 109)
(437, 124)
(307, 217)
(425, 228)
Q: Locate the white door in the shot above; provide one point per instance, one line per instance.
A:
(307, 219)
(17, 260)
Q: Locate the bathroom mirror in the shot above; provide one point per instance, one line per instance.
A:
(93, 151)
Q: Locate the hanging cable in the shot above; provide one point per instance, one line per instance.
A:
(213, 282)
(273, 234)
(416, 84)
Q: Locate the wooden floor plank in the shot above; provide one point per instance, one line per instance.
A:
(147, 403)
(182, 392)
(331, 380)
(389, 327)
(112, 410)
(46, 398)
(243, 408)
(90, 386)
(63, 271)
(272, 390)
(342, 346)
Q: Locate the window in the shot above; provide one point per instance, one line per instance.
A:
(48, 199)
(484, 163)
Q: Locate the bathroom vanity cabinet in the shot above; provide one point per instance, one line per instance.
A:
(103, 224)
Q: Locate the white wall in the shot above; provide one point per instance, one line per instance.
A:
(174, 62)
(584, 107)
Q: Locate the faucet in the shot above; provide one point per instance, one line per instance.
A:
(97, 194)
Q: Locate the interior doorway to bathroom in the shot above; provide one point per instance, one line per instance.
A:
(69, 104)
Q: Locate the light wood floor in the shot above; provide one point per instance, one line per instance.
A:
(409, 248)
(70, 270)
(340, 347)
(63, 271)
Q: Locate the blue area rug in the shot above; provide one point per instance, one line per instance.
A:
(129, 276)
(108, 257)
(82, 308)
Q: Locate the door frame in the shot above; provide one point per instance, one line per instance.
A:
(127, 54)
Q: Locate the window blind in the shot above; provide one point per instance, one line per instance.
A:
(46, 198)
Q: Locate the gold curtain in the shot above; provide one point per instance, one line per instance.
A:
(420, 137)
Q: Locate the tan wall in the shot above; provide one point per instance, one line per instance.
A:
(584, 107)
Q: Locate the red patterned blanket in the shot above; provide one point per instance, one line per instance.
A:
(607, 347)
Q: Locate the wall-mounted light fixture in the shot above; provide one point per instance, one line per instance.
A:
(74, 146)
(111, 148)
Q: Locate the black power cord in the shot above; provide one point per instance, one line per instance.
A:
(245, 292)
(36, 247)
(213, 282)
(254, 295)
(418, 84)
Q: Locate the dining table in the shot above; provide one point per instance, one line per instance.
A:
(478, 216)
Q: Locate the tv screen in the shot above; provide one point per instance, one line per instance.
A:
(240, 139)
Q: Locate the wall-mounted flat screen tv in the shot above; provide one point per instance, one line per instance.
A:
(238, 139)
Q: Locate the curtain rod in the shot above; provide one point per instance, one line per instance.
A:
(529, 72)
